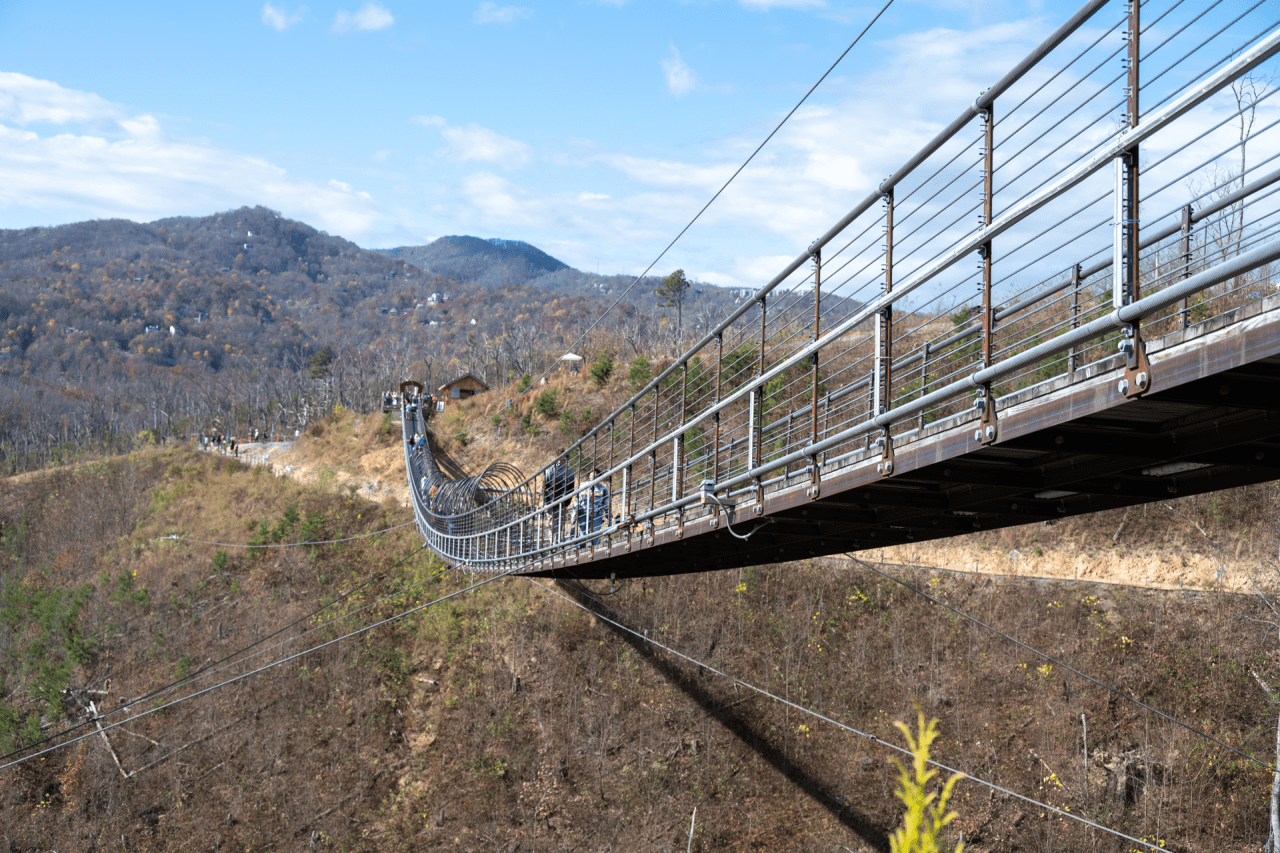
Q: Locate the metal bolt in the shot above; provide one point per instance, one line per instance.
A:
(980, 403)
(977, 435)
(991, 432)
(1123, 387)
(888, 467)
(1141, 380)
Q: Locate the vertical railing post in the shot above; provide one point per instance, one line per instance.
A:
(613, 457)
(677, 445)
(882, 378)
(757, 411)
(814, 471)
(1124, 282)
(986, 400)
(1073, 354)
(924, 378)
(715, 461)
(628, 474)
(1184, 249)
(653, 453)
(753, 440)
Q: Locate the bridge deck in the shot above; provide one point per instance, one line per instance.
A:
(1210, 421)
(833, 410)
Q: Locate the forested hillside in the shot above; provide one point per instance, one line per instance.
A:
(112, 331)
(497, 263)
(242, 320)
(508, 719)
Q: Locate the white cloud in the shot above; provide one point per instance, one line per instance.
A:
(491, 13)
(476, 144)
(25, 100)
(680, 77)
(499, 201)
(142, 173)
(279, 19)
(371, 16)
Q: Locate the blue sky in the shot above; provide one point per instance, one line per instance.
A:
(594, 130)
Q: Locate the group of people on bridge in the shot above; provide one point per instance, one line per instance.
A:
(590, 507)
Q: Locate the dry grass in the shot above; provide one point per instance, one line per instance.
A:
(507, 719)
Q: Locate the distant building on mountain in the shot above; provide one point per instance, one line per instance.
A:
(461, 388)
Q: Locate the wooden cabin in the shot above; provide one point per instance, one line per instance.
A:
(460, 389)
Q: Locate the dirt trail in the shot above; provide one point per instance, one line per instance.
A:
(1153, 568)
(1174, 553)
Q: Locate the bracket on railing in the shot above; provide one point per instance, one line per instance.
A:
(988, 425)
(1137, 371)
(886, 464)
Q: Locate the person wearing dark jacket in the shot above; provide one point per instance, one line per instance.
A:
(557, 485)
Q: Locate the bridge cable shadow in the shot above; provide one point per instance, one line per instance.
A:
(738, 724)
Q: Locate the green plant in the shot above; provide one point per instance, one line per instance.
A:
(220, 560)
(125, 593)
(45, 641)
(927, 813)
(737, 363)
(640, 373)
(773, 390)
(547, 404)
(311, 526)
(525, 382)
(262, 536)
(567, 422)
(601, 369)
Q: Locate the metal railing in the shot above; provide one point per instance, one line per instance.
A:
(1095, 222)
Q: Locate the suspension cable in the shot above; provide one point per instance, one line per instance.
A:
(214, 667)
(696, 216)
(245, 675)
(1069, 668)
(824, 717)
(177, 538)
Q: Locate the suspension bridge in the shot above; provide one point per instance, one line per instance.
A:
(1064, 302)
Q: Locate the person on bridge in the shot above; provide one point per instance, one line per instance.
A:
(599, 503)
(557, 485)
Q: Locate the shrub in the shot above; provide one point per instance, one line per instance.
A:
(640, 373)
(311, 526)
(601, 369)
(525, 382)
(44, 641)
(737, 363)
(927, 813)
(547, 404)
